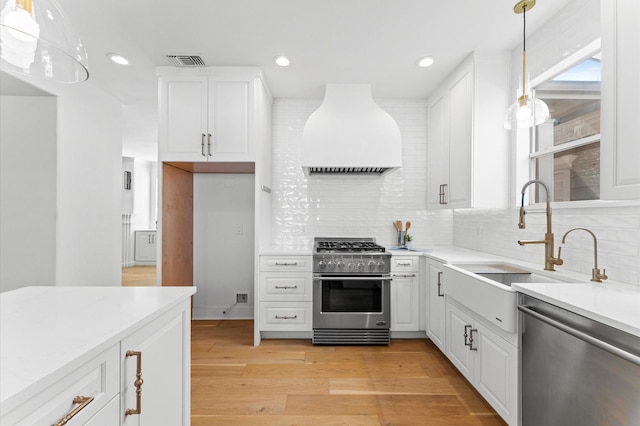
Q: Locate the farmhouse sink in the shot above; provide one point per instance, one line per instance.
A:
(507, 274)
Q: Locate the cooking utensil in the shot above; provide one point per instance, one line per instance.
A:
(395, 225)
(407, 226)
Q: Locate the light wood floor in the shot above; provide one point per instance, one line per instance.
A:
(292, 382)
(139, 276)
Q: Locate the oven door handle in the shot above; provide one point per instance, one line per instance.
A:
(359, 278)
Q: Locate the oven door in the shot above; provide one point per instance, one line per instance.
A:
(351, 302)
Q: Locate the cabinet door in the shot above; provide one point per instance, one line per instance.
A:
(458, 349)
(405, 302)
(228, 119)
(436, 321)
(145, 251)
(460, 140)
(164, 360)
(438, 153)
(495, 375)
(183, 118)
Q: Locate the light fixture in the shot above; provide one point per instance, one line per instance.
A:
(118, 59)
(526, 111)
(427, 61)
(37, 40)
(282, 61)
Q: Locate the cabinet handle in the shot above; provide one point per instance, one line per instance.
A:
(83, 401)
(209, 145)
(466, 334)
(202, 145)
(137, 383)
(442, 193)
(286, 287)
(286, 317)
(404, 276)
(286, 263)
(149, 238)
(403, 263)
(471, 348)
(440, 285)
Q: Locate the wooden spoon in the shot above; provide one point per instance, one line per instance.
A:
(408, 226)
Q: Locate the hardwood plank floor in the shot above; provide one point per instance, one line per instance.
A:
(292, 382)
(139, 276)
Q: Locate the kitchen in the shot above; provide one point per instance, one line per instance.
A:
(349, 211)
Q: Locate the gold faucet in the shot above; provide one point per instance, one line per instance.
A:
(549, 260)
(596, 275)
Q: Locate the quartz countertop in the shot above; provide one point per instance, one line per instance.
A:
(46, 331)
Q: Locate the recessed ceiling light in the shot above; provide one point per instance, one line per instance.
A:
(282, 61)
(427, 61)
(118, 59)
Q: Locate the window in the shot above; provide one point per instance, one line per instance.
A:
(566, 149)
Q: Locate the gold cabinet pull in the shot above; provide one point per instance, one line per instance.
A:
(83, 401)
(138, 383)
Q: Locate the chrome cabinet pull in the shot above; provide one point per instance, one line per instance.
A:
(442, 193)
(284, 317)
(83, 401)
(404, 276)
(403, 263)
(137, 383)
(440, 285)
(202, 145)
(209, 145)
(286, 263)
(466, 335)
(286, 287)
(471, 348)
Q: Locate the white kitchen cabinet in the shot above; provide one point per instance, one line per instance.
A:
(620, 150)
(207, 114)
(159, 349)
(467, 144)
(405, 293)
(285, 287)
(487, 360)
(145, 247)
(436, 304)
(85, 335)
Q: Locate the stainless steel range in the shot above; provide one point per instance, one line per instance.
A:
(351, 291)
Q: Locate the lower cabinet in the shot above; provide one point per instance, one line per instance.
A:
(108, 416)
(156, 353)
(286, 316)
(487, 360)
(436, 304)
(145, 252)
(405, 293)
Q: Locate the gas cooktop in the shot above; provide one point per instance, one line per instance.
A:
(347, 245)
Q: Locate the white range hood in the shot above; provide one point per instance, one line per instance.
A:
(350, 134)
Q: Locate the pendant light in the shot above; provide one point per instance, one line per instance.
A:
(36, 40)
(526, 111)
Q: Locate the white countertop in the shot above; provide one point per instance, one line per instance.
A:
(614, 304)
(45, 331)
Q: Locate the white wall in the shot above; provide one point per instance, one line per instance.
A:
(362, 206)
(145, 194)
(27, 191)
(223, 244)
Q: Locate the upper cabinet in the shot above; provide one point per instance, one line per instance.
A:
(620, 126)
(208, 114)
(467, 144)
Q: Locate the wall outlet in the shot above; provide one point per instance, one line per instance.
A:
(238, 229)
(242, 297)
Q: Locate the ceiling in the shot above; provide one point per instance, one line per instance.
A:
(328, 41)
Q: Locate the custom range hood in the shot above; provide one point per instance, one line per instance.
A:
(350, 134)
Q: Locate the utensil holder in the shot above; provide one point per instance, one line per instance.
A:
(401, 235)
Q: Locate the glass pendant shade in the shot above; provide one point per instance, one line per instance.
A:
(527, 112)
(36, 40)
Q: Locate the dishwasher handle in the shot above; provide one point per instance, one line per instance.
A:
(634, 359)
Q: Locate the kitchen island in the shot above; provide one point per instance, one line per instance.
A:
(59, 343)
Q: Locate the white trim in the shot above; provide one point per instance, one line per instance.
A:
(571, 60)
(566, 146)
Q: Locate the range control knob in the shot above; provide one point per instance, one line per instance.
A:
(381, 265)
(340, 264)
(372, 265)
(351, 266)
(361, 266)
(322, 264)
(331, 264)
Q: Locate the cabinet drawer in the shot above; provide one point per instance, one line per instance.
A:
(108, 416)
(404, 263)
(285, 263)
(98, 378)
(285, 316)
(291, 286)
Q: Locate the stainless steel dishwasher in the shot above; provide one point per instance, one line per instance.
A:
(576, 371)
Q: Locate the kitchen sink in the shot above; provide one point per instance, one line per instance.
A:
(507, 274)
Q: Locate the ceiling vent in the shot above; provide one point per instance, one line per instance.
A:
(186, 60)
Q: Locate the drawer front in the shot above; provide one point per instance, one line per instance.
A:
(98, 378)
(404, 263)
(292, 286)
(285, 316)
(286, 263)
(108, 416)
